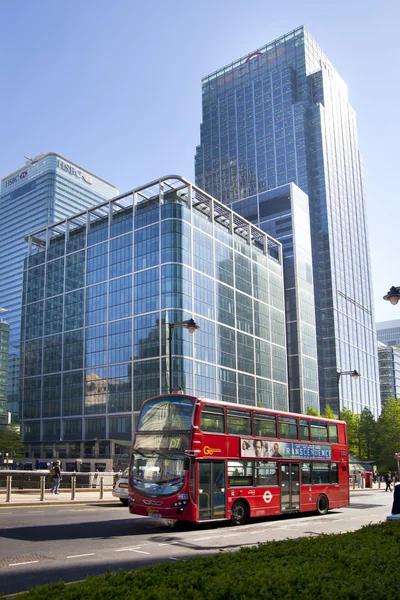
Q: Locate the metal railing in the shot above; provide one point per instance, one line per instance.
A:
(30, 481)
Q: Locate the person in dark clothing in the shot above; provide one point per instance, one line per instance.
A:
(396, 500)
(388, 481)
(56, 474)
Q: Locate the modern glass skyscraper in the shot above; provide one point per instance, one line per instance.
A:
(388, 332)
(283, 212)
(389, 371)
(4, 342)
(282, 115)
(44, 191)
(100, 290)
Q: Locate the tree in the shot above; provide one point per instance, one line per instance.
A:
(353, 430)
(328, 412)
(312, 412)
(367, 435)
(11, 443)
(388, 435)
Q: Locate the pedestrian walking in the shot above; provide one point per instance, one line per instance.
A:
(55, 472)
(388, 481)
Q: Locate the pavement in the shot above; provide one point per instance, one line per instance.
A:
(32, 497)
(85, 496)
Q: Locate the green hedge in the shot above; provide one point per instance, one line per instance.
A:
(359, 565)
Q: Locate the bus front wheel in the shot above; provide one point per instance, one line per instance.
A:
(322, 505)
(239, 513)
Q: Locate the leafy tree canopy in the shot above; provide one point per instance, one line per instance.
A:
(328, 412)
(11, 443)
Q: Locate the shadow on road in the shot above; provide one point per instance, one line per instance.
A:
(120, 528)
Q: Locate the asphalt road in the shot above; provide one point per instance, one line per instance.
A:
(42, 544)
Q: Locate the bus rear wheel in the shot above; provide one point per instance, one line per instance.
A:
(239, 513)
(322, 504)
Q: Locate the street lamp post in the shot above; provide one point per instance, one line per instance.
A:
(393, 295)
(354, 374)
(191, 326)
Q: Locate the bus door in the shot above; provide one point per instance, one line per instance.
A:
(211, 490)
(290, 487)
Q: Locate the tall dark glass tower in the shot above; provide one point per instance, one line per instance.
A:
(281, 115)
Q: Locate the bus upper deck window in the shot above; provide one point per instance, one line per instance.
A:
(264, 425)
(212, 419)
(319, 431)
(238, 422)
(287, 427)
(304, 429)
(333, 434)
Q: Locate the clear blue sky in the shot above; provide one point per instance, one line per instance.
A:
(115, 86)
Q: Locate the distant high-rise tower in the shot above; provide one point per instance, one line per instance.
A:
(47, 189)
(388, 332)
(4, 341)
(281, 115)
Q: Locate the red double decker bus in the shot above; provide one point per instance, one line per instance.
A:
(198, 460)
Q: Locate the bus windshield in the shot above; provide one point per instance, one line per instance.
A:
(167, 414)
(157, 473)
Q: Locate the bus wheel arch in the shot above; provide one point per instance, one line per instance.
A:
(322, 504)
(240, 512)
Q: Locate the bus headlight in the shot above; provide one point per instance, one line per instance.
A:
(180, 503)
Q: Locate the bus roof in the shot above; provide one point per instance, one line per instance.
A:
(271, 411)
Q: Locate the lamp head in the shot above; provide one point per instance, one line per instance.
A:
(191, 326)
(393, 295)
(355, 374)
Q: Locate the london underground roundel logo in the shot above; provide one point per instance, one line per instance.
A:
(267, 497)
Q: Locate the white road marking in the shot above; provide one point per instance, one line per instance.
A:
(129, 548)
(139, 551)
(203, 538)
(29, 562)
(171, 558)
(162, 544)
(33, 512)
(232, 535)
(79, 555)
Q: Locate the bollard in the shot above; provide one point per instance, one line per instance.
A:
(8, 491)
(73, 487)
(42, 487)
(101, 488)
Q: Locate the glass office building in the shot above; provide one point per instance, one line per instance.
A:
(284, 214)
(389, 371)
(102, 287)
(388, 332)
(281, 115)
(4, 342)
(45, 190)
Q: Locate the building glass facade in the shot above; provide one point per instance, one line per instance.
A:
(281, 115)
(284, 213)
(4, 342)
(388, 332)
(46, 190)
(389, 371)
(100, 290)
